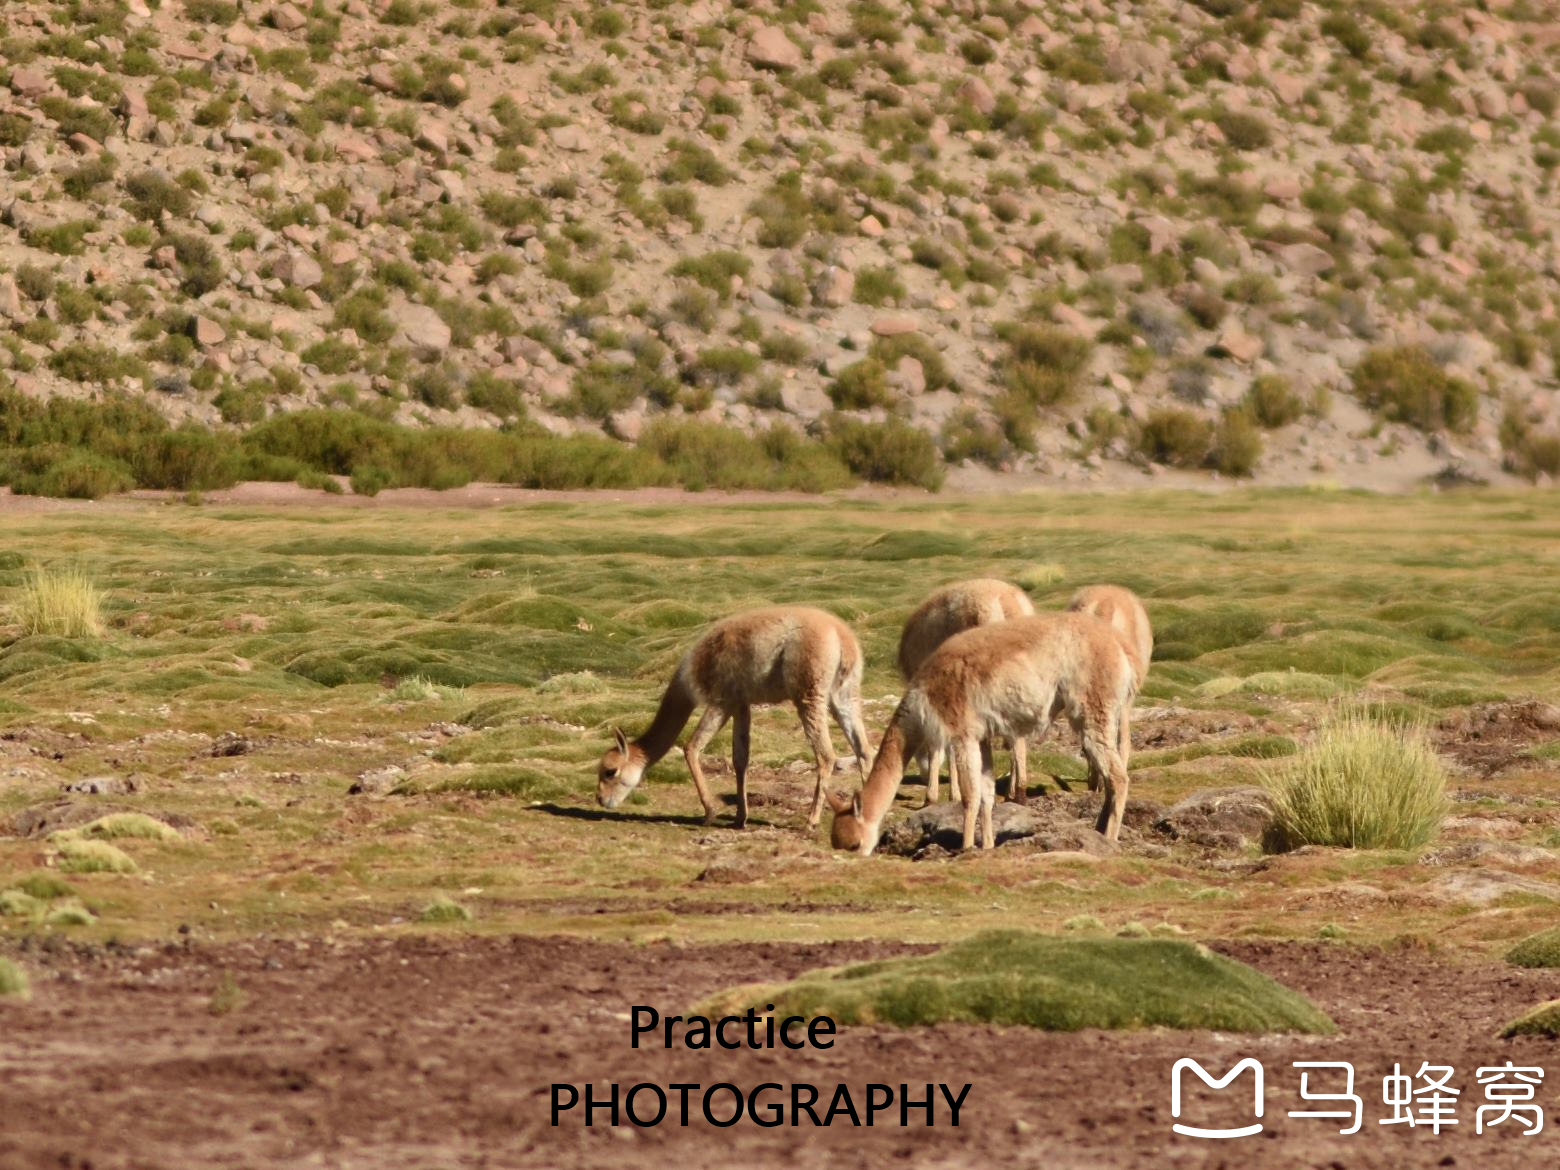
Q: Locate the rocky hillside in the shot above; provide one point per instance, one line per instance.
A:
(1072, 239)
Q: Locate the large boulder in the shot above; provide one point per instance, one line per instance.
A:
(770, 48)
(420, 327)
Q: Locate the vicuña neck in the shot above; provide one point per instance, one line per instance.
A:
(888, 769)
(670, 717)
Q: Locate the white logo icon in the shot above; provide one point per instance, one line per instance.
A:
(1175, 1097)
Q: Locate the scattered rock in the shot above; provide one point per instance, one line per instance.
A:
(103, 786)
(378, 781)
(230, 743)
(770, 48)
(1219, 818)
(420, 327)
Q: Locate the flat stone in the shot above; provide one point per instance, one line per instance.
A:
(770, 48)
(420, 327)
(894, 326)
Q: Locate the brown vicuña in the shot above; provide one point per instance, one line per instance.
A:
(783, 654)
(1119, 608)
(952, 610)
(1012, 678)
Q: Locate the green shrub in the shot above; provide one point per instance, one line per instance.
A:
(1237, 444)
(889, 351)
(887, 452)
(65, 473)
(878, 286)
(1362, 783)
(784, 215)
(12, 980)
(688, 162)
(80, 182)
(1348, 32)
(1404, 384)
(62, 239)
(862, 385)
(709, 455)
(95, 122)
(725, 365)
(1273, 401)
(200, 267)
(1176, 436)
(1243, 130)
(714, 270)
(967, 436)
(1044, 362)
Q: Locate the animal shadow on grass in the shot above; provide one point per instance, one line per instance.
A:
(605, 814)
(696, 820)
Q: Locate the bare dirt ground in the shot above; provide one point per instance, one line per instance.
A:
(413, 1052)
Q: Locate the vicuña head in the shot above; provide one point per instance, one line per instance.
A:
(621, 769)
(850, 828)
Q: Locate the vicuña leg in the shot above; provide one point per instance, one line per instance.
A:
(1019, 792)
(815, 725)
(1099, 749)
(988, 794)
(966, 757)
(741, 731)
(709, 724)
(846, 710)
(932, 780)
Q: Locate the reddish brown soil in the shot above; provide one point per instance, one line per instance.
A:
(383, 1054)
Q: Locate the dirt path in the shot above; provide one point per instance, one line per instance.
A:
(386, 1054)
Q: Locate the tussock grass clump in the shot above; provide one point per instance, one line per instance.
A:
(82, 855)
(63, 603)
(227, 997)
(116, 826)
(69, 916)
(1364, 782)
(45, 887)
(1040, 576)
(17, 904)
(420, 689)
(443, 909)
(12, 980)
(1544, 1020)
(1538, 950)
(1009, 977)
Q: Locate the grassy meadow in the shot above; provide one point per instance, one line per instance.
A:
(468, 665)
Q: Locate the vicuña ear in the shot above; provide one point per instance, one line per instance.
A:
(855, 807)
(622, 740)
(840, 804)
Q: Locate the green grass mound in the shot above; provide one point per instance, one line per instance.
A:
(443, 909)
(1544, 1020)
(1539, 950)
(1040, 981)
(12, 981)
(19, 904)
(69, 916)
(79, 855)
(121, 825)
